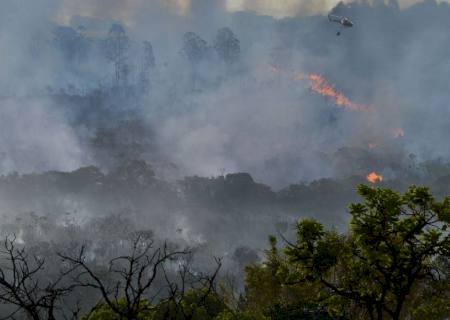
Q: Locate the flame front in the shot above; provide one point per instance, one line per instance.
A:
(374, 177)
(321, 86)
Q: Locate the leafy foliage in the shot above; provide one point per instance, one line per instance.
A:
(385, 259)
(103, 311)
(392, 263)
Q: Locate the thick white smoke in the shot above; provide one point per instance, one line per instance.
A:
(35, 137)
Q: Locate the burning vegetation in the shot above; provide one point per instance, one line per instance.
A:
(321, 86)
(374, 177)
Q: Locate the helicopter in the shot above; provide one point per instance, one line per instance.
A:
(343, 21)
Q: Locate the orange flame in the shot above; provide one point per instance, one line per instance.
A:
(321, 86)
(374, 177)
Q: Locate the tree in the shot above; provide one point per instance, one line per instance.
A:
(386, 259)
(147, 63)
(193, 296)
(121, 142)
(130, 289)
(194, 304)
(135, 174)
(194, 48)
(141, 287)
(227, 46)
(25, 284)
(148, 58)
(433, 302)
(104, 312)
(117, 45)
(271, 295)
(73, 44)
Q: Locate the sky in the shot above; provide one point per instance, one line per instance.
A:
(283, 8)
(277, 9)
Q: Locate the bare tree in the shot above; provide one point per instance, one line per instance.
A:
(132, 278)
(25, 284)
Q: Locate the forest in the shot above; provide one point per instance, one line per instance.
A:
(391, 263)
(222, 159)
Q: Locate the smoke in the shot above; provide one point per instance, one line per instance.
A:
(281, 9)
(207, 116)
(199, 90)
(35, 137)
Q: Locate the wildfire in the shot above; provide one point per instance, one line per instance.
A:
(372, 145)
(321, 86)
(374, 177)
(398, 132)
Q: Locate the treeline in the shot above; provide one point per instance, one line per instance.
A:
(230, 214)
(135, 187)
(132, 63)
(391, 263)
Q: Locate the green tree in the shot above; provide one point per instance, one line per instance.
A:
(195, 304)
(103, 311)
(386, 260)
(272, 294)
